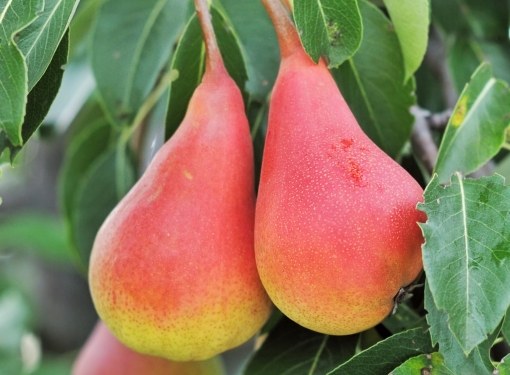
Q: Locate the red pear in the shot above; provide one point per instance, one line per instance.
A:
(336, 233)
(103, 354)
(172, 270)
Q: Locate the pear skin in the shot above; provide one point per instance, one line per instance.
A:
(172, 270)
(336, 233)
(103, 354)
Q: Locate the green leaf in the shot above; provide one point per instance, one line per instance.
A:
(33, 44)
(4, 155)
(258, 40)
(84, 148)
(81, 26)
(442, 16)
(466, 254)
(131, 44)
(230, 47)
(504, 366)
(405, 318)
(433, 363)
(505, 329)
(44, 92)
(95, 175)
(293, 350)
(375, 91)
(95, 197)
(411, 19)
(7, 150)
(466, 54)
(13, 84)
(384, 356)
(429, 92)
(39, 41)
(477, 362)
(481, 113)
(14, 16)
(483, 19)
(189, 63)
(41, 97)
(331, 28)
(463, 60)
(42, 235)
(498, 55)
(275, 318)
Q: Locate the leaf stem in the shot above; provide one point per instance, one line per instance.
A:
(318, 355)
(258, 120)
(288, 37)
(168, 77)
(214, 61)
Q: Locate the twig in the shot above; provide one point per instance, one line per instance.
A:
(438, 121)
(435, 58)
(423, 143)
(421, 139)
(484, 170)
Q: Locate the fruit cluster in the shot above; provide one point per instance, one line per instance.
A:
(188, 263)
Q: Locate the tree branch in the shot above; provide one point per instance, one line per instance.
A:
(435, 59)
(421, 139)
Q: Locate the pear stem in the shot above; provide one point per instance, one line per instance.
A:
(214, 61)
(288, 5)
(288, 37)
(168, 77)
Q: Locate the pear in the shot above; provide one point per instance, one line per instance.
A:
(336, 233)
(172, 270)
(103, 354)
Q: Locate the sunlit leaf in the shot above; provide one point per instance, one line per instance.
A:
(476, 130)
(330, 28)
(433, 364)
(39, 41)
(504, 366)
(411, 19)
(14, 16)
